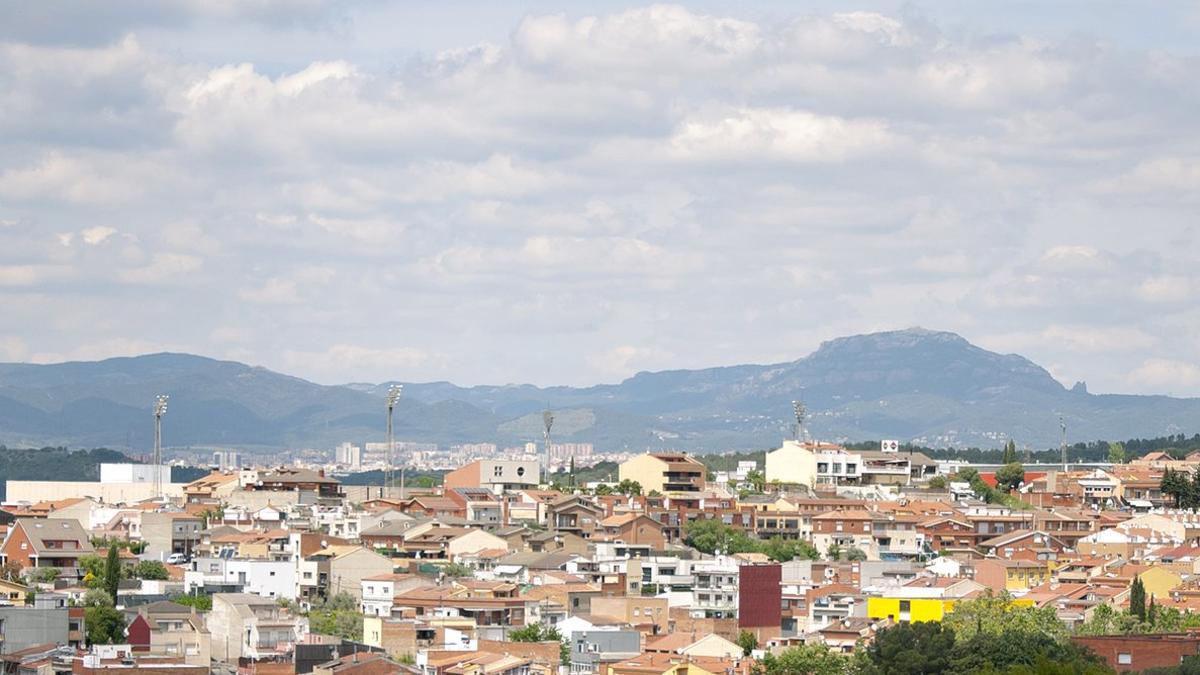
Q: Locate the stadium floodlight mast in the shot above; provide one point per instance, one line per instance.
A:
(160, 409)
(393, 397)
(801, 412)
(1062, 443)
(547, 422)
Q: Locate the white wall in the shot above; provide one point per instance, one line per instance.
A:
(133, 473)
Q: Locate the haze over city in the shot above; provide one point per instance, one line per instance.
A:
(570, 193)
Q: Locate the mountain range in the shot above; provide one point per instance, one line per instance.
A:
(918, 385)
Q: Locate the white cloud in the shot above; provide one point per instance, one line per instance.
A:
(371, 362)
(652, 186)
(94, 236)
(1165, 376)
(171, 268)
(619, 362)
(757, 134)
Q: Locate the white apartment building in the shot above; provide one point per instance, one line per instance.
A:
(715, 589)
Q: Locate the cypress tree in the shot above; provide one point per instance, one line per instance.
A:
(112, 574)
(1137, 599)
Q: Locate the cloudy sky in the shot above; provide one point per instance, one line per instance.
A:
(568, 193)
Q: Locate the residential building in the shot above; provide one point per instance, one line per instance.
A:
(253, 627)
(47, 542)
(665, 472)
(496, 475)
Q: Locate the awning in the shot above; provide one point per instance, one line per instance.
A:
(508, 569)
(1141, 504)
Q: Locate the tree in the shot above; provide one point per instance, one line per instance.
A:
(1010, 476)
(1010, 453)
(536, 632)
(938, 482)
(337, 615)
(603, 489)
(43, 575)
(855, 554)
(1106, 620)
(1178, 486)
(1116, 453)
(911, 649)
(105, 625)
(757, 480)
(93, 567)
(1137, 599)
(629, 488)
(456, 570)
(804, 660)
(834, 552)
(10, 571)
(112, 573)
(709, 535)
(784, 550)
(201, 601)
(96, 597)
(151, 570)
(747, 641)
(992, 614)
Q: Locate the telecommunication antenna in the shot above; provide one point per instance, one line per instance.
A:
(547, 422)
(801, 412)
(160, 409)
(393, 397)
(1062, 444)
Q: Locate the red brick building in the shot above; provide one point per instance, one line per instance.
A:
(1140, 652)
(760, 596)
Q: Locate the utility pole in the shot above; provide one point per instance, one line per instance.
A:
(160, 409)
(393, 397)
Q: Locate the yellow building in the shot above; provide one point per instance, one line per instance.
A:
(913, 610)
(1160, 581)
(1001, 574)
(916, 610)
(793, 463)
(665, 472)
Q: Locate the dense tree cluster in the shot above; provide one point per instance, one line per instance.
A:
(987, 635)
(1182, 487)
(337, 615)
(710, 535)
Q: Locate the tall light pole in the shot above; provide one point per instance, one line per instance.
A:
(160, 409)
(800, 411)
(393, 397)
(547, 422)
(1062, 444)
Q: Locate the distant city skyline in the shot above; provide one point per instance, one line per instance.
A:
(555, 193)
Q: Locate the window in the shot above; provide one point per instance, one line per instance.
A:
(497, 471)
(1124, 659)
(520, 471)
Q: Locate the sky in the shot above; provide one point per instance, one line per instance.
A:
(569, 193)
